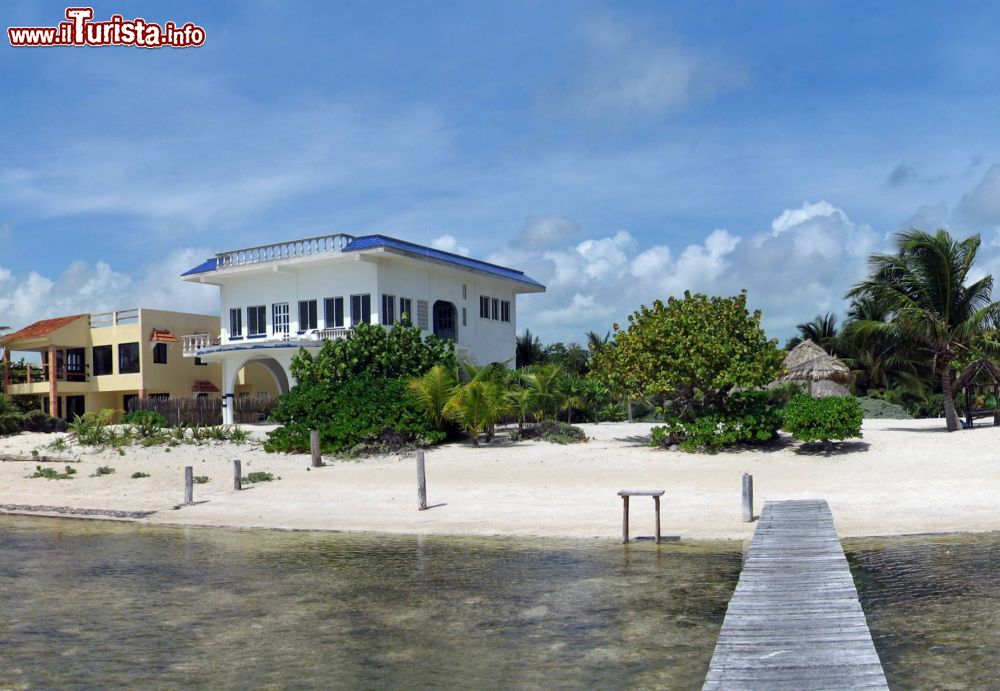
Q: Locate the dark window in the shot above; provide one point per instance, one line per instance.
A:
(388, 309)
(236, 322)
(103, 364)
(160, 354)
(406, 307)
(76, 367)
(496, 308)
(505, 310)
(333, 313)
(129, 402)
(464, 317)
(361, 309)
(484, 307)
(128, 358)
(198, 361)
(307, 315)
(256, 320)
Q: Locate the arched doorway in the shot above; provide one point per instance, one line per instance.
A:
(445, 320)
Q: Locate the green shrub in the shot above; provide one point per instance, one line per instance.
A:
(364, 413)
(103, 470)
(930, 407)
(258, 476)
(878, 408)
(53, 474)
(201, 479)
(11, 423)
(749, 417)
(145, 422)
(555, 432)
(136, 475)
(823, 419)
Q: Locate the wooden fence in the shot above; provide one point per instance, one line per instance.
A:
(207, 411)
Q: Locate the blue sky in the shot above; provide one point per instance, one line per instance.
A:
(618, 152)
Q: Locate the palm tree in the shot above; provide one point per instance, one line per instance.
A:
(476, 406)
(596, 343)
(432, 392)
(923, 290)
(528, 350)
(573, 395)
(520, 401)
(822, 331)
(546, 394)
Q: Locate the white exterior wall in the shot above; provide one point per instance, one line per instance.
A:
(484, 340)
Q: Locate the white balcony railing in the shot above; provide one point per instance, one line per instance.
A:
(322, 244)
(191, 344)
(194, 343)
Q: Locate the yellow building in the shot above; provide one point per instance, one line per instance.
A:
(92, 362)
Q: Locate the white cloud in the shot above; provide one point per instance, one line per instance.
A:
(448, 243)
(803, 265)
(632, 71)
(982, 204)
(84, 288)
(547, 230)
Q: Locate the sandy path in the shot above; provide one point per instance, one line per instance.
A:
(904, 477)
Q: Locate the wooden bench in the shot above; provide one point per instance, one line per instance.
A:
(625, 494)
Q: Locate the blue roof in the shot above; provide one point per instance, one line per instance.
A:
(372, 241)
(367, 242)
(205, 266)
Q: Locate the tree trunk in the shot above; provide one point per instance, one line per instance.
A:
(569, 416)
(950, 414)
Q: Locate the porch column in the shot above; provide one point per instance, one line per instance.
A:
(228, 412)
(53, 375)
(230, 368)
(6, 370)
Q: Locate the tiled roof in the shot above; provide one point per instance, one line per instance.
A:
(204, 386)
(40, 329)
(162, 336)
(412, 249)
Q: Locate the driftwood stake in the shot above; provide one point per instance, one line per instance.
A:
(188, 485)
(317, 461)
(421, 483)
(747, 498)
(237, 475)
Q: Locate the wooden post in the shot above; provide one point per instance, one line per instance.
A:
(625, 519)
(188, 484)
(747, 498)
(996, 405)
(317, 461)
(968, 404)
(421, 483)
(656, 501)
(237, 475)
(29, 374)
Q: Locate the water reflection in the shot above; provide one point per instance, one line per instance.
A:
(933, 605)
(98, 605)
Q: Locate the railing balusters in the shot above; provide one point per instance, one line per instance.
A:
(284, 250)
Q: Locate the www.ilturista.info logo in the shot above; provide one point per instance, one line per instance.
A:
(79, 30)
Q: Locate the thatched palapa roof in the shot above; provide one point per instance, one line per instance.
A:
(808, 362)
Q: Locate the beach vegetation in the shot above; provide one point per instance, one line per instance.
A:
(748, 417)
(556, 432)
(431, 393)
(928, 302)
(823, 420)
(103, 470)
(146, 422)
(881, 409)
(355, 392)
(139, 474)
(258, 476)
(53, 474)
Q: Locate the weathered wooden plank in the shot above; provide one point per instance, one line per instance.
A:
(795, 621)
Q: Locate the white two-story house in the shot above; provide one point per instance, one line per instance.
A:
(279, 298)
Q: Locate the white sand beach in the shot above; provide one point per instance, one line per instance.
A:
(905, 476)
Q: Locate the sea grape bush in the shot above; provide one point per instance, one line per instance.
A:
(692, 351)
(354, 391)
(823, 419)
(749, 417)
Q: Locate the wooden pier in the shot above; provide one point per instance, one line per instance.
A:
(795, 621)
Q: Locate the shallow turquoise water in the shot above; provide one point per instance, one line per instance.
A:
(90, 604)
(933, 605)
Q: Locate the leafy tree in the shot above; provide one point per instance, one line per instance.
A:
(528, 350)
(354, 390)
(923, 289)
(823, 419)
(692, 351)
(570, 358)
(596, 342)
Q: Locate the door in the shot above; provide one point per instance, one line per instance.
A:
(279, 316)
(75, 405)
(76, 366)
(444, 320)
